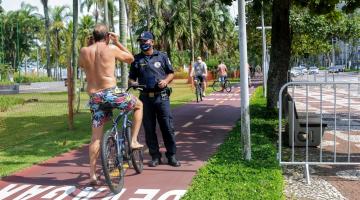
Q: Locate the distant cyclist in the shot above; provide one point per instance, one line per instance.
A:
(199, 72)
(222, 73)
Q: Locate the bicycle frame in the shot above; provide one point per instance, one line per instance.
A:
(125, 124)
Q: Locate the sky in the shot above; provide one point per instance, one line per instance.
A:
(15, 4)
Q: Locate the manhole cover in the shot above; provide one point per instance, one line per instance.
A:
(349, 174)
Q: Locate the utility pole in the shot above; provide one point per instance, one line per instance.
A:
(245, 118)
(333, 51)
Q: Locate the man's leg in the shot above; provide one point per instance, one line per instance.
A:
(94, 150)
(204, 85)
(138, 115)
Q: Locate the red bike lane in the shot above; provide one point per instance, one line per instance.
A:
(200, 129)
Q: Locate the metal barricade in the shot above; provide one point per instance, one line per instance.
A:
(322, 120)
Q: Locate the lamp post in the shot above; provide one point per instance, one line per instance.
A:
(245, 117)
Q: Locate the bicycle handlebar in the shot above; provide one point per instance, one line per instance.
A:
(137, 87)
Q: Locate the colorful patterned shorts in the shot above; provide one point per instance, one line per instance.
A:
(101, 104)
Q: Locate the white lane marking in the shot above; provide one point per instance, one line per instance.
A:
(221, 102)
(187, 124)
(177, 132)
(198, 117)
(208, 110)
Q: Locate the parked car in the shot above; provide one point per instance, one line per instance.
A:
(313, 70)
(303, 69)
(295, 71)
(336, 69)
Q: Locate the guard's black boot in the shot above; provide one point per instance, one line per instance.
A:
(173, 162)
(155, 162)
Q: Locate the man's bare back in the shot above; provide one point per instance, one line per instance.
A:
(98, 62)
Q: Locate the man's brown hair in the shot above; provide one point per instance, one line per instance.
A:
(100, 32)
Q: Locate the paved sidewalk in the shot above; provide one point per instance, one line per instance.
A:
(329, 182)
(200, 129)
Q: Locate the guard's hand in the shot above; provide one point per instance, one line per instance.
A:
(113, 37)
(162, 84)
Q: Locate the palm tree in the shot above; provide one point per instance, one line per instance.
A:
(47, 25)
(85, 29)
(57, 15)
(108, 13)
(122, 29)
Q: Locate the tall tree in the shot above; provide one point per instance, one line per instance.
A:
(58, 14)
(47, 31)
(123, 38)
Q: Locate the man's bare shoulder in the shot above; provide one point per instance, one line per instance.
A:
(84, 50)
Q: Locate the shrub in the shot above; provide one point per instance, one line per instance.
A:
(181, 75)
(31, 79)
(7, 101)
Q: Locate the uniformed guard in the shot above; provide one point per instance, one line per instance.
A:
(153, 69)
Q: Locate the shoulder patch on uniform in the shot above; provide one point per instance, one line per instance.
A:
(157, 64)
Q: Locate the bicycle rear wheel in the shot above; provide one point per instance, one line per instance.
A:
(227, 86)
(137, 155)
(216, 86)
(112, 163)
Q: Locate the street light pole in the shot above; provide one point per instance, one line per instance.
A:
(245, 118)
(263, 50)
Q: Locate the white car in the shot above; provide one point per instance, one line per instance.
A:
(313, 70)
(295, 71)
(303, 69)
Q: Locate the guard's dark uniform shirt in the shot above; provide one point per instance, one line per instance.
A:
(149, 70)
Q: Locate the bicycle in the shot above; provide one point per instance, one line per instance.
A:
(198, 90)
(116, 152)
(220, 85)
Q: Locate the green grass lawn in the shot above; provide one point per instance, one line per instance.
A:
(36, 131)
(228, 176)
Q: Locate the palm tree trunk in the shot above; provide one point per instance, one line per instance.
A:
(148, 19)
(280, 50)
(106, 13)
(191, 40)
(47, 24)
(72, 69)
(122, 29)
(96, 13)
(129, 24)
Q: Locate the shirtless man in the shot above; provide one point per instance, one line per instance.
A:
(98, 62)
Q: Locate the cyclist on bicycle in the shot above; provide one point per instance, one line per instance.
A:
(199, 73)
(98, 62)
(222, 74)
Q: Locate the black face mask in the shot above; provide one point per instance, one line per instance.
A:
(145, 47)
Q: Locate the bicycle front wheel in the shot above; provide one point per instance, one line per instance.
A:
(112, 163)
(197, 93)
(227, 86)
(216, 86)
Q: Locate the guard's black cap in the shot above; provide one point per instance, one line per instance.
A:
(146, 35)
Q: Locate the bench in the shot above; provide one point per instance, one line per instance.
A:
(315, 128)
